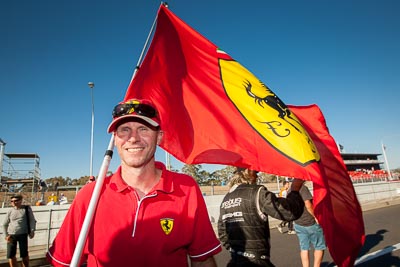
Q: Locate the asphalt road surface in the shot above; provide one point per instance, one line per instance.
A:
(381, 248)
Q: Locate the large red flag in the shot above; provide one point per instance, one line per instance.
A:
(335, 202)
(213, 110)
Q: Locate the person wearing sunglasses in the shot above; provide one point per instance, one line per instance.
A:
(146, 215)
(19, 223)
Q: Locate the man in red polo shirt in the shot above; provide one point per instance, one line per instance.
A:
(146, 215)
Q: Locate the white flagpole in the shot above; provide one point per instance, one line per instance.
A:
(100, 179)
(92, 205)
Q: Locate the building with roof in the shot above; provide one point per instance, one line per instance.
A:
(361, 161)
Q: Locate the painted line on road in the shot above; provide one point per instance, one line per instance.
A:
(378, 253)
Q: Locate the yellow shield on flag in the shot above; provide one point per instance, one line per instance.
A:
(167, 224)
(266, 113)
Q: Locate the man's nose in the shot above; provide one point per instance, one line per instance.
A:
(134, 135)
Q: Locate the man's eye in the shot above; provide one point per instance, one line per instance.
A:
(143, 129)
(123, 131)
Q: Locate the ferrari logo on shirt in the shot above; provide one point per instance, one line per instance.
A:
(166, 225)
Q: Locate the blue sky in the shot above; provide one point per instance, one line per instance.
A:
(342, 55)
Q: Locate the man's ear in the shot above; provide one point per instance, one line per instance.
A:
(159, 137)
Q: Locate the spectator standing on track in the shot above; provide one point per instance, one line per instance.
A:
(309, 231)
(18, 224)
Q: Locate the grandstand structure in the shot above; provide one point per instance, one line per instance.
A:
(19, 172)
(361, 161)
(364, 166)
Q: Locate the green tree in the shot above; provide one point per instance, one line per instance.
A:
(83, 180)
(205, 178)
(53, 182)
(223, 176)
(194, 170)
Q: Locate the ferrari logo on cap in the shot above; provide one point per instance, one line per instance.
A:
(166, 225)
(267, 114)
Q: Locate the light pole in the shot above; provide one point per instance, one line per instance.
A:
(386, 137)
(2, 145)
(91, 85)
(386, 161)
(168, 160)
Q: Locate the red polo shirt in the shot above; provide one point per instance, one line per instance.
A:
(170, 223)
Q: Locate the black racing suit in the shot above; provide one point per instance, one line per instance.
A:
(243, 222)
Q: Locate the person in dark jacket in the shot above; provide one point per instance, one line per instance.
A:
(243, 226)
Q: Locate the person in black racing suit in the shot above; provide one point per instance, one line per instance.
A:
(243, 226)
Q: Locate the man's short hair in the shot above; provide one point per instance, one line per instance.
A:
(18, 197)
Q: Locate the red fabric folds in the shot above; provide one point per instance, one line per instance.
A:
(335, 202)
(206, 112)
(213, 110)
